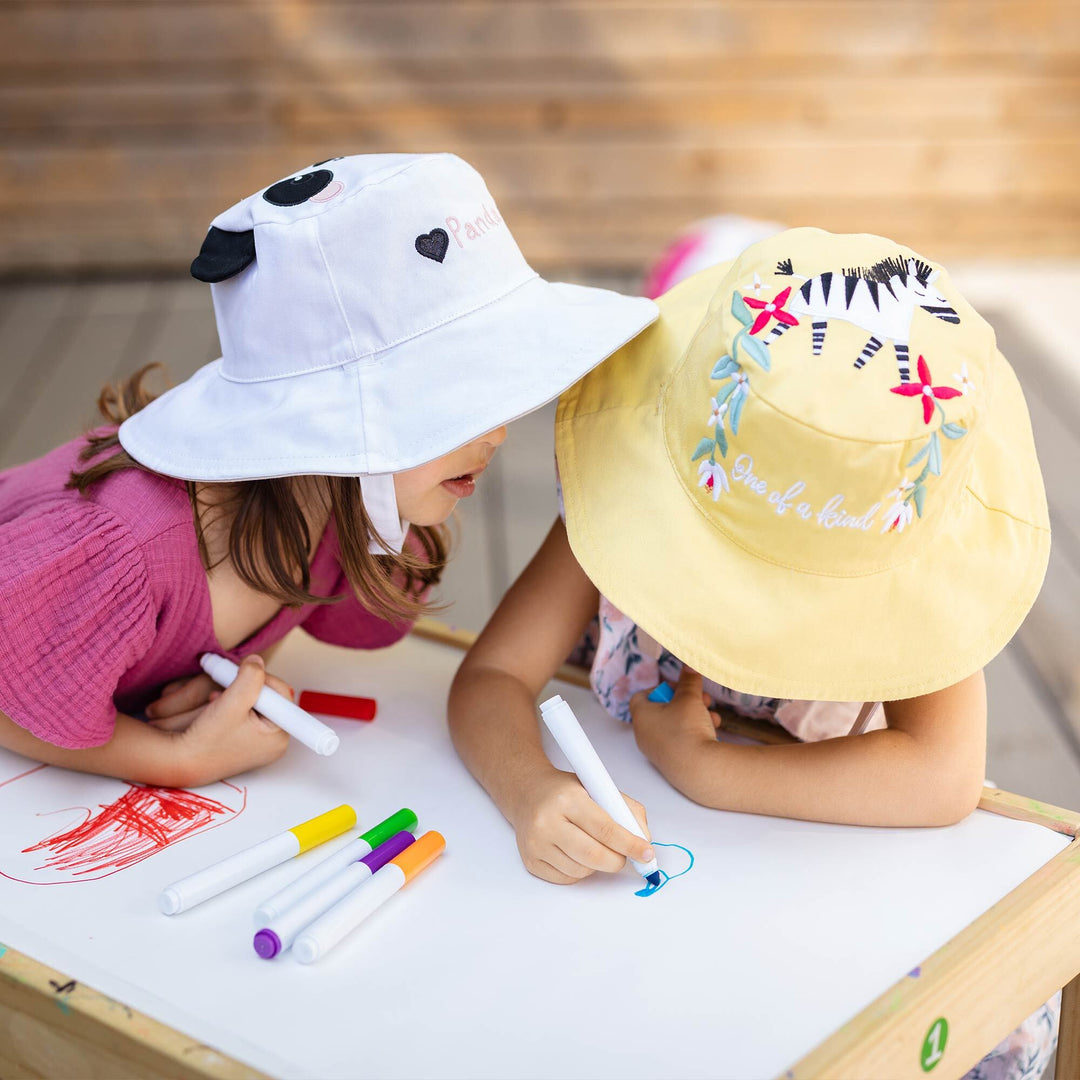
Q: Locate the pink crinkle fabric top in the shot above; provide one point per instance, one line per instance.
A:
(104, 599)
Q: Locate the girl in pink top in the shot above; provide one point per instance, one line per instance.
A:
(379, 329)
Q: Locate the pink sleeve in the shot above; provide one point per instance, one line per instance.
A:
(76, 612)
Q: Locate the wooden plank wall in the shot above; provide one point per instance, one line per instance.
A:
(601, 126)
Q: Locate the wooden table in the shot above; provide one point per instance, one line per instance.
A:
(982, 982)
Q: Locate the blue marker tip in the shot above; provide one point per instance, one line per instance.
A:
(654, 879)
(663, 693)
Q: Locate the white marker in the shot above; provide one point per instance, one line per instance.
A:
(364, 844)
(280, 933)
(215, 879)
(595, 779)
(347, 914)
(289, 717)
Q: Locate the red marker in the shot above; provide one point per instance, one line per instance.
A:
(353, 708)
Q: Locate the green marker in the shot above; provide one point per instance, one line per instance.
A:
(269, 910)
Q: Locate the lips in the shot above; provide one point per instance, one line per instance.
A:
(461, 487)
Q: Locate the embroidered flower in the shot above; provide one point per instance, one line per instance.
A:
(741, 382)
(718, 410)
(771, 309)
(711, 476)
(901, 491)
(925, 390)
(899, 515)
(961, 376)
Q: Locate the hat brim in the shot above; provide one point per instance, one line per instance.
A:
(769, 630)
(394, 410)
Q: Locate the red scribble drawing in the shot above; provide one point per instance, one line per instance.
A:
(130, 823)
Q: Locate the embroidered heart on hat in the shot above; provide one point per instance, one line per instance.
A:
(433, 245)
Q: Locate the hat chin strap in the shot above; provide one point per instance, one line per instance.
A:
(380, 502)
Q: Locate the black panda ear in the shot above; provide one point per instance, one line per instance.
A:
(223, 254)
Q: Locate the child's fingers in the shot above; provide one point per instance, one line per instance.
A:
(240, 696)
(567, 864)
(611, 834)
(184, 695)
(542, 869)
(639, 812)
(690, 683)
(589, 854)
(176, 722)
(281, 686)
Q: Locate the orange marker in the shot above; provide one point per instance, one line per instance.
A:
(347, 914)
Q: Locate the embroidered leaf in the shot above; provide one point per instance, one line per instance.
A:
(923, 475)
(934, 460)
(919, 496)
(757, 351)
(725, 393)
(919, 456)
(721, 439)
(953, 431)
(724, 366)
(703, 447)
(740, 310)
(735, 412)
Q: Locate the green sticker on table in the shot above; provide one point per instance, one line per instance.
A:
(933, 1047)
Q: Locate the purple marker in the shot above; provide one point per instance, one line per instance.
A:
(283, 931)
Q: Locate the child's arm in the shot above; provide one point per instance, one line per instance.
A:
(925, 768)
(219, 739)
(562, 834)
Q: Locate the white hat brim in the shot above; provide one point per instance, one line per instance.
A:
(394, 410)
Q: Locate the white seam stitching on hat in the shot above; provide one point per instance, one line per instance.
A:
(363, 429)
(997, 510)
(333, 285)
(370, 357)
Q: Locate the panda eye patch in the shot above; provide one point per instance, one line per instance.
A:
(298, 189)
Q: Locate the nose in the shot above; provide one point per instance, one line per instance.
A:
(496, 437)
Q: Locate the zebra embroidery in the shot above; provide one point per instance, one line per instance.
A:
(880, 299)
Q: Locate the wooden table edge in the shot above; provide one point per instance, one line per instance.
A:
(84, 1020)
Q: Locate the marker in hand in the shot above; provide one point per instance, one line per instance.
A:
(595, 779)
(300, 725)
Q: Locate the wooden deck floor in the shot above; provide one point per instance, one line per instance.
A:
(60, 342)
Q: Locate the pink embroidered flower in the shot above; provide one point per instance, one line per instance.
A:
(926, 390)
(771, 309)
(712, 477)
(899, 515)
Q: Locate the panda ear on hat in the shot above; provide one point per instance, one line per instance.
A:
(223, 254)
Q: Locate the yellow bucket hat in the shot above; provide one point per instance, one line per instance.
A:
(813, 477)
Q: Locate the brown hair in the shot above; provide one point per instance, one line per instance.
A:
(268, 535)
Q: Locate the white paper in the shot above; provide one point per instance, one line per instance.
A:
(782, 931)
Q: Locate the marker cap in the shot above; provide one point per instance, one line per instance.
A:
(403, 821)
(424, 852)
(267, 944)
(353, 708)
(388, 850)
(324, 827)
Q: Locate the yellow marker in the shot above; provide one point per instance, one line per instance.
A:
(215, 879)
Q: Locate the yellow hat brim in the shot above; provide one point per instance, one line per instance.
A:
(769, 630)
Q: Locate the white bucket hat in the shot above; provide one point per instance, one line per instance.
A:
(374, 313)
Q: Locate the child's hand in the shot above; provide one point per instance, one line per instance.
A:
(671, 735)
(224, 736)
(563, 836)
(183, 699)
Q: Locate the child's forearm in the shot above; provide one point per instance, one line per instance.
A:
(881, 778)
(137, 752)
(494, 728)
